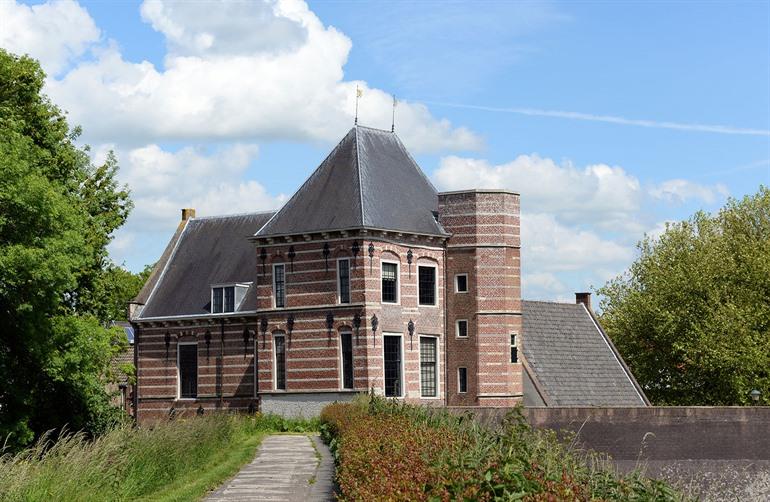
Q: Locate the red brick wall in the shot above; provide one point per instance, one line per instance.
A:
(485, 244)
(225, 369)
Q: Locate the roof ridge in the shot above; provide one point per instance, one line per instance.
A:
(554, 302)
(358, 172)
(307, 181)
(233, 215)
(374, 129)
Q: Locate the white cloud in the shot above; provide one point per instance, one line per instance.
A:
(549, 246)
(163, 182)
(679, 190)
(237, 71)
(54, 32)
(598, 193)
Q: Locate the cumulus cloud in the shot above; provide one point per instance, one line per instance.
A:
(607, 195)
(162, 182)
(54, 32)
(239, 71)
(679, 190)
(548, 245)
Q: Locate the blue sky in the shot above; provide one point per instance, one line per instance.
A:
(610, 118)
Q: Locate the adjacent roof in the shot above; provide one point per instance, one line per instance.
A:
(369, 180)
(214, 250)
(572, 360)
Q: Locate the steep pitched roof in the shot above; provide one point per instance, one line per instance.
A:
(369, 180)
(572, 360)
(213, 250)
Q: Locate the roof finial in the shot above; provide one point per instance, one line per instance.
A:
(393, 118)
(359, 93)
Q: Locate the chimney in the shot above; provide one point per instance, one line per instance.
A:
(584, 298)
(188, 213)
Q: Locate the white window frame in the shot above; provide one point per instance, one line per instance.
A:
(236, 303)
(403, 365)
(515, 336)
(179, 373)
(438, 364)
(285, 287)
(342, 362)
(350, 290)
(458, 380)
(435, 284)
(398, 281)
(275, 362)
(467, 285)
(457, 329)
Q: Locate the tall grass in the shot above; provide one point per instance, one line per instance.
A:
(130, 463)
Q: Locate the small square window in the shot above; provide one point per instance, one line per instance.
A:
(462, 328)
(223, 300)
(461, 283)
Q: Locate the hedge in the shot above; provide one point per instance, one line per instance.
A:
(388, 450)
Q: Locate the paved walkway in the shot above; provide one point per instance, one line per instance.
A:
(286, 468)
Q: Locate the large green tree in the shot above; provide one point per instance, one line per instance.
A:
(691, 316)
(58, 212)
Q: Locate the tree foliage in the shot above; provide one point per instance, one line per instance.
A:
(692, 315)
(58, 212)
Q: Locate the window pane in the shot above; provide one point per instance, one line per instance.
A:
(280, 363)
(279, 286)
(216, 308)
(344, 280)
(514, 350)
(347, 360)
(229, 299)
(462, 283)
(392, 352)
(462, 329)
(188, 371)
(389, 282)
(462, 374)
(427, 282)
(428, 367)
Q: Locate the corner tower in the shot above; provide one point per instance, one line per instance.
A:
(483, 297)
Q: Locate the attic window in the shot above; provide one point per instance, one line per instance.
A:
(225, 299)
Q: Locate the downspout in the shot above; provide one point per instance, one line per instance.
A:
(221, 368)
(446, 328)
(137, 333)
(256, 364)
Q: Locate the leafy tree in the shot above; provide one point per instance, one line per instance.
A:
(58, 212)
(692, 315)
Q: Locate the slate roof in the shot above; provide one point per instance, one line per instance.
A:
(572, 360)
(212, 250)
(369, 181)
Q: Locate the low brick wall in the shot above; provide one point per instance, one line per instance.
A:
(714, 452)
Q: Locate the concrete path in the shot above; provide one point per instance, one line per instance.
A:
(286, 468)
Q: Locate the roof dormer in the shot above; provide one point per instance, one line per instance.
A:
(227, 298)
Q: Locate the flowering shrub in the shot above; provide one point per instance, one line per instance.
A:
(386, 450)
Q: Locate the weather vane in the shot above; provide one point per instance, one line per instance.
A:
(393, 117)
(359, 93)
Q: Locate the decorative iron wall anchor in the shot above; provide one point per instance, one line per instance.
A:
(291, 256)
(326, 253)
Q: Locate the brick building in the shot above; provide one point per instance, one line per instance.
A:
(367, 278)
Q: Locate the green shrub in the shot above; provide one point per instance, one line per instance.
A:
(388, 450)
